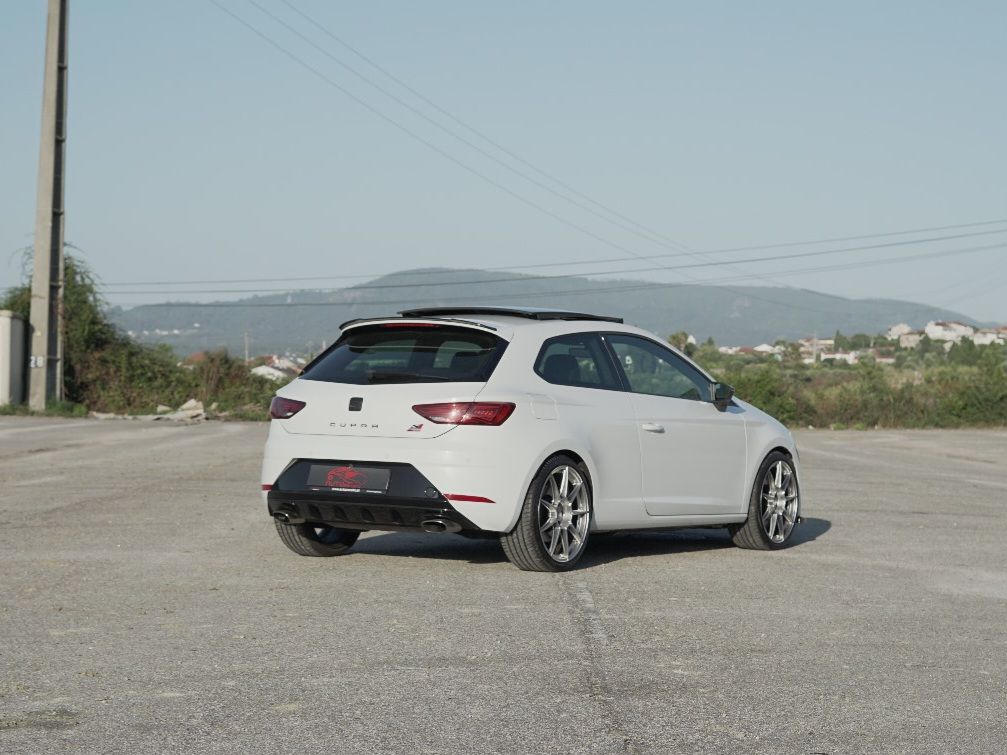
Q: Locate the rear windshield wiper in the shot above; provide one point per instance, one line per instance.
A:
(374, 377)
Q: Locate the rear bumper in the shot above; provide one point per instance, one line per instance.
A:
(388, 496)
(346, 512)
(485, 490)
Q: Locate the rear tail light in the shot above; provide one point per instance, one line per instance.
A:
(284, 408)
(469, 413)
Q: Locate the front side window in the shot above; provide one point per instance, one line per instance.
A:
(403, 354)
(578, 359)
(650, 368)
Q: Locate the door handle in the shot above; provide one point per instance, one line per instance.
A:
(652, 427)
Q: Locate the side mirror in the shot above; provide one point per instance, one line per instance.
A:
(722, 395)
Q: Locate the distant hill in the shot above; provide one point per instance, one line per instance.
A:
(735, 315)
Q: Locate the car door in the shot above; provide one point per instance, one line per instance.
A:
(693, 456)
(593, 406)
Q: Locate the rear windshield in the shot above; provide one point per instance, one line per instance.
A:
(402, 354)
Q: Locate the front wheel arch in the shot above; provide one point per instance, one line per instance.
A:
(754, 533)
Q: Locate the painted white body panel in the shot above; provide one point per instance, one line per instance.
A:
(699, 471)
(694, 456)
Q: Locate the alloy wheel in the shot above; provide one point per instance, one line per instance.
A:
(564, 513)
(779, 501)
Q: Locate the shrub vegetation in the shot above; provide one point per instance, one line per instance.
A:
(107, 371)
(925, 388)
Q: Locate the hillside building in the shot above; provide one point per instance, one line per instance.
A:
(948, 330)
(897, 331)
(988, 336)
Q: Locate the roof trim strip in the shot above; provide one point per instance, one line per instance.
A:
(447, 320)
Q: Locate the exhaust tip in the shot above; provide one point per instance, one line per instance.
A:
(440, 525)
(287, 517)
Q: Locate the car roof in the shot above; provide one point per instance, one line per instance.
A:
(530, 313)
(488, 317)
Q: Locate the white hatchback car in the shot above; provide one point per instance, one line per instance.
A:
(534, 426)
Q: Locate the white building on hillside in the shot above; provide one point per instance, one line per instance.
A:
(911, 339)
(270, 373)
(948, 330)
(987, 336)
(850, 357)
(897, 331)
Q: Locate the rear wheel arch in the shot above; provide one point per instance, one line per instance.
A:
(583, 460)
(554, 524)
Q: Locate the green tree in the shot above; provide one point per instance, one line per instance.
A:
(964, 352)
(680, 340)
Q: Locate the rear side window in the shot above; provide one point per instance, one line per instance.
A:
(578, 359)
(401, 354)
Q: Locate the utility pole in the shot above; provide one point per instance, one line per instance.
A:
(46, 357)
(246, 347)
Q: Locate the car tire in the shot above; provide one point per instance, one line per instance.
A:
(315, 540)
(552, 531)
(773, 507)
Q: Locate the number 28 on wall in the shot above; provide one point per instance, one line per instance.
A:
(34, 361)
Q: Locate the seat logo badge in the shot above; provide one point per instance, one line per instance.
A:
(415, 428)
(356, 403)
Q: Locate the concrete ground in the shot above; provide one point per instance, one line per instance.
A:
(146, 605)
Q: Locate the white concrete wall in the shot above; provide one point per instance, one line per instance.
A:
(12, 358)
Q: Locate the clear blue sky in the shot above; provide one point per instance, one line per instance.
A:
(198, 151)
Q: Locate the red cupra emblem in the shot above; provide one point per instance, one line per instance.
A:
(345, 477)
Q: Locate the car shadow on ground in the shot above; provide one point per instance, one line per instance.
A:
(601, 549)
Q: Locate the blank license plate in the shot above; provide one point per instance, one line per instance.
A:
(346, 478)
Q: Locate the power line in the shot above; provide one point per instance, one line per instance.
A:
(442, 152)
(708, 252)
(646, 234)
(413, 135)
(468, 127)
(429, 144)
(634, 226)
(649, 236)
(593, 291)
(525, 279)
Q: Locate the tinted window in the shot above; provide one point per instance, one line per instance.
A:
(651, 368)
(408, 355)
(579, 360)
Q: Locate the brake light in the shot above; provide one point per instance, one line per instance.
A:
(410, 325)
(284, 408)
(469, 413)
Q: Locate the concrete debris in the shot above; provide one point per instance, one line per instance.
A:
(188, 413)
(189, 416)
